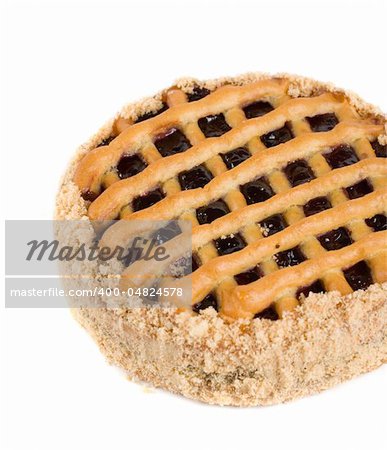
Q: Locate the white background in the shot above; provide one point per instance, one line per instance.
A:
(68, 66)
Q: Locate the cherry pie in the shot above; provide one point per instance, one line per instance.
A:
(284, 181)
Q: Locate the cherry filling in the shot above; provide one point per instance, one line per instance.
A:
(290, 257)
(195, 178)
(208, 301)
(298, 172)
(257, 191)
(234, 157)
(380, 150)
(106, 141)
(273, 224)
(257, 109)
(335, 239)
(359, 189)
(229, 244)
(211, 212)
(149, 115)
(322, 122)
(378, 222)
(173, 141)
(89, 196)
(249, 276)
(213, 126)
(147, 200)
(315, 287)
(197, 94)
(130, 165)
(358, 276)
(268, 313)
(277, 137)
(341, 156)
(316, 205)
(166, 233)
(194, 263)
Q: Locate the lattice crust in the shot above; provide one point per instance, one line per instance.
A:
(139, 139)
(286, 195)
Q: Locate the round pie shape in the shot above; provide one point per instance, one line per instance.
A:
(310, 170)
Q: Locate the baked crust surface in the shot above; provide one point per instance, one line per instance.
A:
(328, 340)
(325, 340)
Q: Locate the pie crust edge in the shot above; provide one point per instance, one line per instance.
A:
(329, 339)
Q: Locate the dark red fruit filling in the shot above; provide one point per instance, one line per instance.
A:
(249, 276)
(207, 302)
(229, 244)
(213, 126)
(106, 141)
(152, 114)
(147, 200)
(173, 141)
(277, 137)
(335, 239)
(211, 212)
(341, 156)
(195, 178)
(323, 122)
(235, 157)
(359, 189)
(315, 287)
(268, 313)
(378, 222)
(298, 172)
(316, 205)
(290, 257)
(257, 191)
(197, 94)
(130, 165)
(273, 224)
(89, 196)
(166, 233)
(380, 150)
(194, 263)
(257, 109)
(358, 276)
